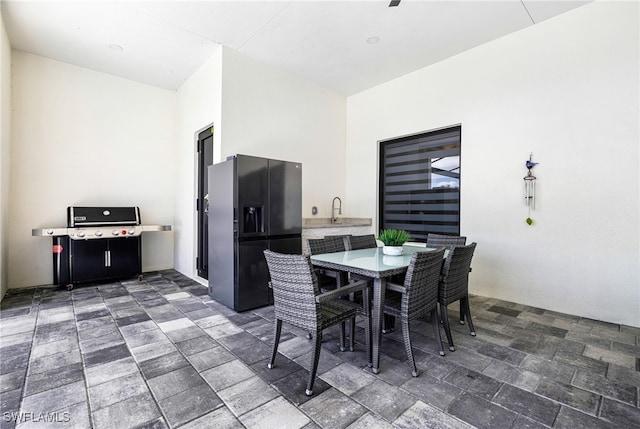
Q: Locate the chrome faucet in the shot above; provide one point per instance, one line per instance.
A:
(334, 218)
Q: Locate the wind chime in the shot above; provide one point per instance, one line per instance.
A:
(530, 188)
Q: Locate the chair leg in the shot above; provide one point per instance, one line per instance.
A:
(343, 279)
(447, 328)
(342, 335)
(315, 356)
(367, 325)
(276, 341)
(464, 302)
(461, 313)
(436, 330)
(388, 323)
(352, 333)
(407, 347)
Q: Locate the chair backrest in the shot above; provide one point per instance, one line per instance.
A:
(295, 287)
(326, 245)
(448, 241)
(421, 282)
(361, 242)
(455, 274)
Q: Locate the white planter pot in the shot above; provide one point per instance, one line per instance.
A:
(392, 250)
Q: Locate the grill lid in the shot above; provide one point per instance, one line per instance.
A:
(86, 216)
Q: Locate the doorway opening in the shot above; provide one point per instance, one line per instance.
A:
(204, 149)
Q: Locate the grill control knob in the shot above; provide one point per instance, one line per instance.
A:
(98, 233)
(131, 231)
(50, 231)
(115, 232)
(80, 234)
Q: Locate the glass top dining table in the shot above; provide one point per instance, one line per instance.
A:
(374, 264)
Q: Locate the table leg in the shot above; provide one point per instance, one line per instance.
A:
(379, 286)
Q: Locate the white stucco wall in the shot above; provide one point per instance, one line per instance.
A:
(198, 105)
(567, 90)
(85, 138)
(271, 113)
(5, 138)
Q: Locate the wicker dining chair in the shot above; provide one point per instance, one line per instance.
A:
(454, 286)
(448, 241)
(343, 236)
(297, 300)
(355, 242)
(328, 279)
(417, 297)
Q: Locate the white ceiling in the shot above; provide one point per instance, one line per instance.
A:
(164, 42)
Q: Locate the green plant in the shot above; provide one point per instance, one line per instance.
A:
(393, 237)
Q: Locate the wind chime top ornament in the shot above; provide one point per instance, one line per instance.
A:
(530, 188)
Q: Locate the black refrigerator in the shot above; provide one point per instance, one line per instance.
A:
(254, 204)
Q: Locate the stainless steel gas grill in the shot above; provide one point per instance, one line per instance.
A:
(99, 243)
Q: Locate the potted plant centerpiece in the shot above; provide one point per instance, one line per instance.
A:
(393, 239)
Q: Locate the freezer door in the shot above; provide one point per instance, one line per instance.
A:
(252, 193)
(252, 290)
(222, 232)
(285, 198)
(289, 246)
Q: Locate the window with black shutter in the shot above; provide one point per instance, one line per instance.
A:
(420, 183)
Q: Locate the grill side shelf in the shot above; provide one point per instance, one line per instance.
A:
(49, 232)
(57, 232)
(155, 228)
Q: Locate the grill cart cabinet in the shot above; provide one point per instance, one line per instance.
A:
(109, 258)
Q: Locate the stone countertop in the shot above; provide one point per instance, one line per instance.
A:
(325, 222)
